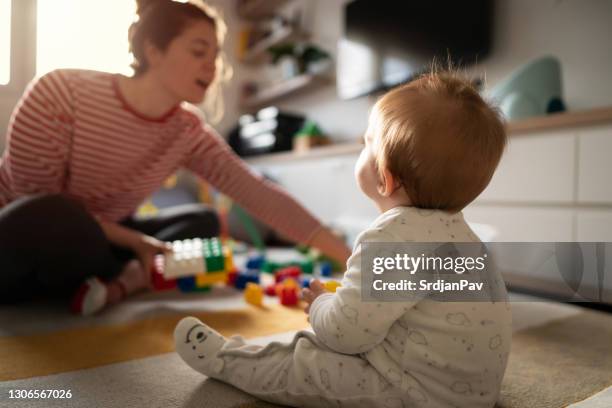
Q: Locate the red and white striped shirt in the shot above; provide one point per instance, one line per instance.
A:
(73, 133)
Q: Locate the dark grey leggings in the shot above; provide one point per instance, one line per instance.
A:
(50, 244)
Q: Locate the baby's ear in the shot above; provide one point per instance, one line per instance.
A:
(388, 183)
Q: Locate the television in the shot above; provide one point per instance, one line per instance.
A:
(389, 42)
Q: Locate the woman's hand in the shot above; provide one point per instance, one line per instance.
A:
(309, 294)
(144, 247)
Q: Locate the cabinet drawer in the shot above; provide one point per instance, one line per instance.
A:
(595, 165)
(594, 225)
(513, 224)
(535, 168)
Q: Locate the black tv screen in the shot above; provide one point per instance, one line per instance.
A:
(388, 42)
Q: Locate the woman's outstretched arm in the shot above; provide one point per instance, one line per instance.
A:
(213, 160)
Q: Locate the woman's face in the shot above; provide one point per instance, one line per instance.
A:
(187, 67)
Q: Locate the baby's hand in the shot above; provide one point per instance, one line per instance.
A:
(310, 294)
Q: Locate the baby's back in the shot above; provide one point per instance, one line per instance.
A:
(455, 351)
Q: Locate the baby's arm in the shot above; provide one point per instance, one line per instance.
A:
(344, 322)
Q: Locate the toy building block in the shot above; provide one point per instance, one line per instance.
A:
(244, 277)
(287, 283)
(229, 258)
(306, 282)
(306, 266)
(185, 259)
(253, 294)
(193, 256)
(255, 261)
(271, 290)
(288, 272)
(231, 277)
(270, 266)
(195, 264)
(186, 284)
(288, 296)
(213, 254)
(325, 269)
(331, 286)
(158, 281)
(207, 279)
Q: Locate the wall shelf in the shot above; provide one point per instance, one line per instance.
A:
(564, 120)
(281, 35)
(258, 9)
(589, 117)
(280, 89)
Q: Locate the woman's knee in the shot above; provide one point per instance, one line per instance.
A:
(201, 222)
(44, 205)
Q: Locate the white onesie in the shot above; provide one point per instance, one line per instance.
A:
(372, 354)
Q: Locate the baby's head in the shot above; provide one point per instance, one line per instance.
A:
(432, 143)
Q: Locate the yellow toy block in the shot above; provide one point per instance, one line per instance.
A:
(207, 279)
(229, 258)
(253, 294)
(331, 286)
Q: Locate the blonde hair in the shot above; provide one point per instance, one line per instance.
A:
(439, 138)
(214, 102)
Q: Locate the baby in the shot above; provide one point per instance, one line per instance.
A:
(430, 149)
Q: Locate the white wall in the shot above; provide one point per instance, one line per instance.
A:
(575, 31)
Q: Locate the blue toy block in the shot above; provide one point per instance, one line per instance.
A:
(251, 275)
(326, 269)
(187, 284)
(306, 282)
(255, 262)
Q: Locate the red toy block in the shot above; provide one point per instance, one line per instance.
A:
(288, 296)
(231, 277)
(271, 290)
(288, 272)
(157, 275)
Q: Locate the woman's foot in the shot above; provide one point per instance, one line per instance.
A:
(90, 298)
(94, 295)
(198, 345)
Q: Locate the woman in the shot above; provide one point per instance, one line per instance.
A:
(84, 148)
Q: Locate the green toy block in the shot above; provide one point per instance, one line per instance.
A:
(270, 267)
(200, 289)
(306, 266)
(213, 254)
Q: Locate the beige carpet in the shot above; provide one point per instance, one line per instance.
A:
(561, 354)
(559, 363)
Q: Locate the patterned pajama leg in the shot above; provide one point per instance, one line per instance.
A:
(303, 373)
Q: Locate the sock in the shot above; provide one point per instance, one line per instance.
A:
(93, 295)
(198, 345)
(90, 298)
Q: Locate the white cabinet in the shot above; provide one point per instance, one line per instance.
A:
(524, 224)
(594, 225)
(595, 165)
(535, 168)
